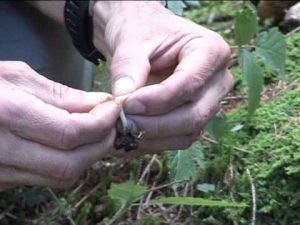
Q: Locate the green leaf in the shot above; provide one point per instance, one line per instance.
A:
(176, 7)
(183, 163)
(252, 77)
(218, 126)
(126, 192)
(196, 202)
(271, 46)
(206, 187)
(246, 25)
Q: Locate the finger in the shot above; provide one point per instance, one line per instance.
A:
(198, 63)
(153, 146)
(32, 119)
(129, 69)
(49, 162)
(12, 177)
(53, 93)
(191, 117)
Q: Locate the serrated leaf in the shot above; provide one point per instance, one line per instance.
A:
(184, 163)
(196, 202)
(252, 77)
(176, 7)
(126, 192)
(246, 25)
(218, 126)
(271, 46)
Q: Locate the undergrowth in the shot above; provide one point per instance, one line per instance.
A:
(267, 145)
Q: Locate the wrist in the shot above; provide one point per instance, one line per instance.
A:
(105, 10)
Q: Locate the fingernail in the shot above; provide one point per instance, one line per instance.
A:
(124, 85)
(134, 107)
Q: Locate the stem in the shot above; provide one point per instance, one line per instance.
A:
(123, 119)
(118, 214)
(72, 222)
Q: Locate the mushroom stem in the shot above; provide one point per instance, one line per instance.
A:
(123, 119)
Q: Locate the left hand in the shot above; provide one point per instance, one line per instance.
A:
(186, 65)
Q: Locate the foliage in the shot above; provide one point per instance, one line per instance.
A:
(270, 46)
(252, 76)
(267, 143)
(196, 202)
(126, 193)
(246, 25)
(183, 164)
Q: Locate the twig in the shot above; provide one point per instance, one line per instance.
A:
(290, 86)
(215, 142)
(253, 191)
(297, 29)
(118, 214)
(84, 198)
(235, 98)
(147, 199)
(161, 187)
(150, 194)
(11, 216)
(167, 185)
(185, 192)
(147, 169)
(77, 189)
(72, 222)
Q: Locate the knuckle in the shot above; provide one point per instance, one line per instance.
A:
(69, 137)
(58, 91)
(222, 47)
(68, 172)
(21, 66)
(15, 70)
(200, 118)
(219, 49)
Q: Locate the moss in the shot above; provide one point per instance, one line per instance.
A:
(272, 137)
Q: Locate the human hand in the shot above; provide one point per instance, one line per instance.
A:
(183, 64)
(49, 133)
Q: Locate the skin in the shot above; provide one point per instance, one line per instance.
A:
(49, 133)
(168, 73)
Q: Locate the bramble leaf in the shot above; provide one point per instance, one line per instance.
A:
(183, 163)
(196, 202)
(126, 192)
(218, 126)
(252, 77)
(176, 7)
(246, 25)
(271, 46)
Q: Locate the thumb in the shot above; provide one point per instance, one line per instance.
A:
(129, 70)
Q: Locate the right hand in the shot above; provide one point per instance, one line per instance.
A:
(50, 133)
